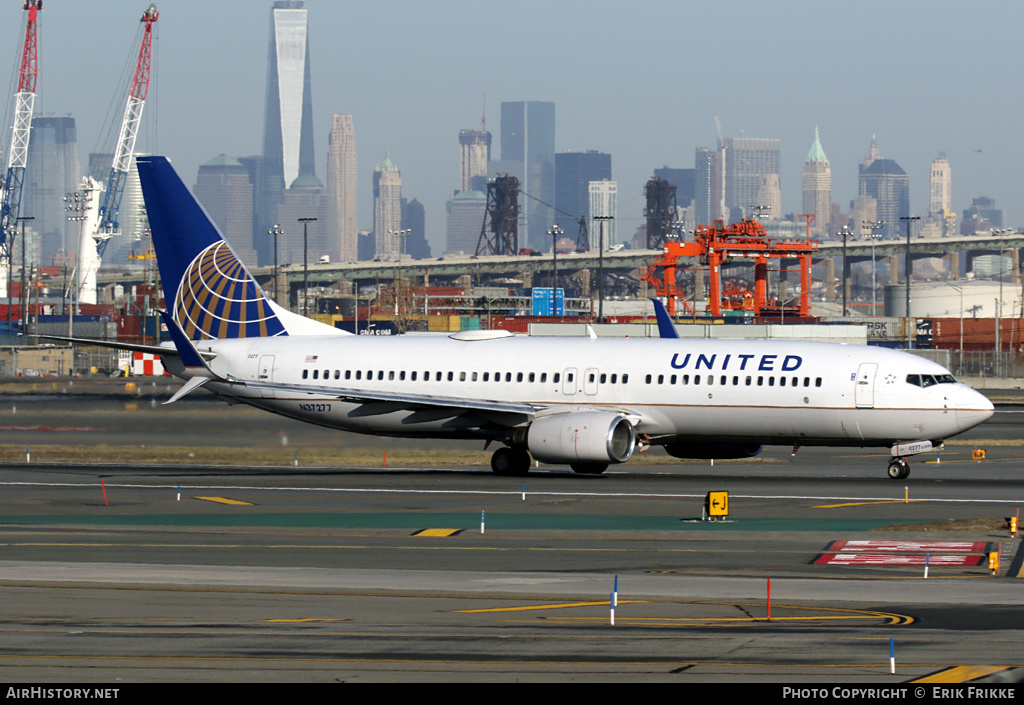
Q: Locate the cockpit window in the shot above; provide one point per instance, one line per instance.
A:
(930, 380)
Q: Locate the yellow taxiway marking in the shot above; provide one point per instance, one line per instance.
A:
(303, 619)
(527, 608)
(857, 504)
(438, 532)
(961, 674)
(225, 500)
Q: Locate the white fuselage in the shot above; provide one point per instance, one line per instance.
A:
(768, 392)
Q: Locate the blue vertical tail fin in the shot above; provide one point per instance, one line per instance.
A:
(209, 291)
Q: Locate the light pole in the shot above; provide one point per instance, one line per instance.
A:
(276, 231)
(600, 267)
(24, 307)
(402, 234)
(554, 233)
(845, 232)
(874, 226)
(305, 264)
(907, 266)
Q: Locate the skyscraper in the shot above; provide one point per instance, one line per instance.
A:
(475, 155)
(747, 161)
(886, 181)
(941, 190)
(52, 170)
(288, 119)
(573, 173)
(414, 219)
(528, 153)
(817, 187)
(604, 201)
(387, 209)
(342, 184)
(465, 218)
(224, 189)
(708, 186)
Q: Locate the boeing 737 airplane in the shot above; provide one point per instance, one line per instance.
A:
(586, 402)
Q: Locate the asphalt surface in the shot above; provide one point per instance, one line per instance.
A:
(363, 574)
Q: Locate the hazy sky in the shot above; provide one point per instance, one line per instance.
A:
(641, 81)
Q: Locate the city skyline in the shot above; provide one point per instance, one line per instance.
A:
(608, 97)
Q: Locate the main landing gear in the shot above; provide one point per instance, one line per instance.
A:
(899, 468)
(515, 462)
(510, 461)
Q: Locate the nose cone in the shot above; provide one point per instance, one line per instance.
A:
(972, 408)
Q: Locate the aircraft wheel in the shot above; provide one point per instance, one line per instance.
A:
(510, 461)
(589, 468)
(899, 469)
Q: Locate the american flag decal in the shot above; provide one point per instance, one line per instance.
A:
(311, 358)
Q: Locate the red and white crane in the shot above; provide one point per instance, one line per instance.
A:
(17, 155)
(99, 226)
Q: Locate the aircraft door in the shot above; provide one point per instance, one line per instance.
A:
(590, 381)
(864, 392)
(265, 373)
(569, 381)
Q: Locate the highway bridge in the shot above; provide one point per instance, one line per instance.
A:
(523, 269)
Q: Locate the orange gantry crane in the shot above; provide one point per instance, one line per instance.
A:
(713, 246)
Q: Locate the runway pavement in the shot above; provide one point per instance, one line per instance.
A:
(326, 574)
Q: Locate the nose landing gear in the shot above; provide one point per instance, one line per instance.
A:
(899, 468)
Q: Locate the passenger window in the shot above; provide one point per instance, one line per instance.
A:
(451, 376)
(462, 376)
(817, 382)
(543, 377)
(711, 379)
(686, 379)
(487, 376)
(413, 376)
(749, 380)
(519, 377)
(359, 374)
(696, 379)
(474, 376)
(782, 381)
(771, 381)
(380, 374)
(625, 378)
(661, 379)
(556, 378)
(391, 376)
(532, 376)
(316, 374)
(348, 374)
(305, 374)
(570, 377)
(648, 379)
(613, 378)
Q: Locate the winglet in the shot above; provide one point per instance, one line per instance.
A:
(666, 328)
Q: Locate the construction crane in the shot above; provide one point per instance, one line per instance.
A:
(17, 155)
(94, 239)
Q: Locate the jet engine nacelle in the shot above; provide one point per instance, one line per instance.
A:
(581, 437)
(713, 451)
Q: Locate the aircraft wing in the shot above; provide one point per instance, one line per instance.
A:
(421, 401)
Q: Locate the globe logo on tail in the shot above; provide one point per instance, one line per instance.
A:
(218, 298)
